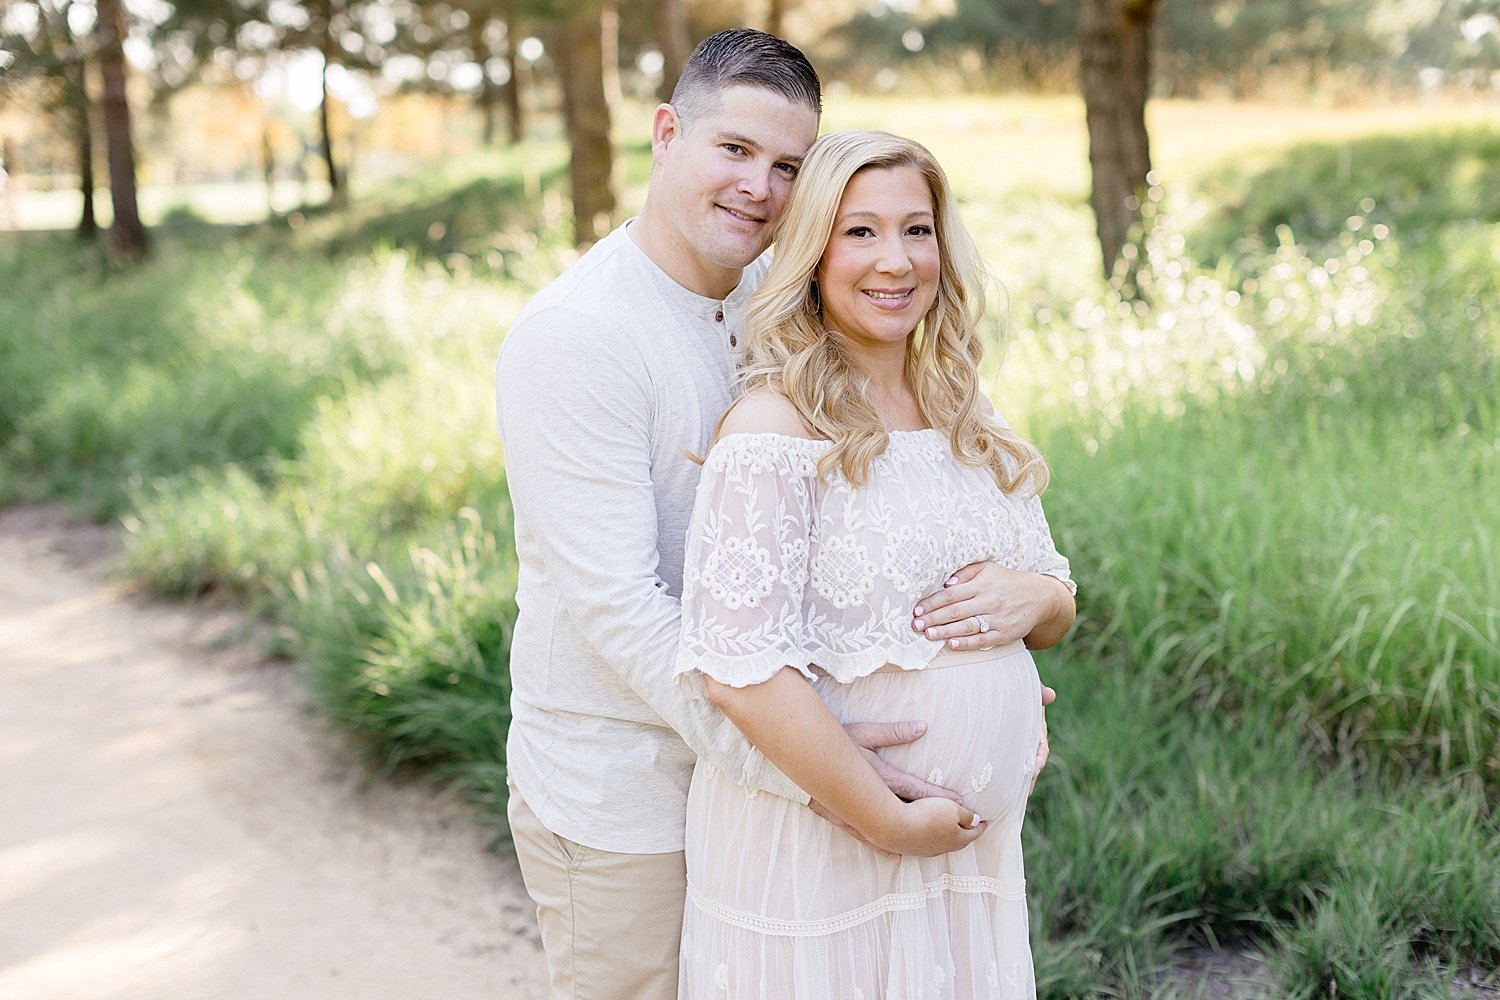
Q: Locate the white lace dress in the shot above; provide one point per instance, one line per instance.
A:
(784, 569)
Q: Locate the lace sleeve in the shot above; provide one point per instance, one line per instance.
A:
(1046, 559)
(745, 569)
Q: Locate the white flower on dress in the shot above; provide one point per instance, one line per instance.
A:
(939, 977)
(981, 781)
(910, 555)
(721, 977)
(935, 776)
(739, 573)
(993, 976)
(841, 571)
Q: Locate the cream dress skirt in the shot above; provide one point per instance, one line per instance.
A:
(782, 904)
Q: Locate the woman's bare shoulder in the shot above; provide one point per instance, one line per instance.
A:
(764, 411)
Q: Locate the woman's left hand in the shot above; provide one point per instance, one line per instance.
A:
(984, 606)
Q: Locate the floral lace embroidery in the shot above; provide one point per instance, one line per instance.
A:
(842, 572)
(739, 573)
(910, 553)
(783, 568)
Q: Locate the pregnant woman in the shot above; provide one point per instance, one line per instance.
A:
(860, 465)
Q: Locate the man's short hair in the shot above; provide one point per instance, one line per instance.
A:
(744, 57)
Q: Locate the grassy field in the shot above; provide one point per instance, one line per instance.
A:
(1276, 476)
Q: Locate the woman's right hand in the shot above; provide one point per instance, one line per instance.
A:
(929, 827)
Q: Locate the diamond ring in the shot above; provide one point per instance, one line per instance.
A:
(984, 623)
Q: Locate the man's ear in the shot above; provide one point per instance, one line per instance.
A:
(665, 127)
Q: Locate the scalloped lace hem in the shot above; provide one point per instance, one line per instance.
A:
(914, 900)
(762, 665)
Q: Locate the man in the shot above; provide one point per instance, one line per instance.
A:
(608, 377)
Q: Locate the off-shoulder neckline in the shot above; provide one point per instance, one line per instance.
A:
(782, 435)
(797, 438)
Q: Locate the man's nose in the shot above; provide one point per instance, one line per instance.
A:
(755, 183)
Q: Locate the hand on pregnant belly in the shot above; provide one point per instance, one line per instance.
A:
(927, 828)
(873, 738)
(983, 726)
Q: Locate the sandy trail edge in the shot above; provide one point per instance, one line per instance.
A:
(175, 824)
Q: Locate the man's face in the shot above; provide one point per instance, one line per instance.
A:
(724, 176)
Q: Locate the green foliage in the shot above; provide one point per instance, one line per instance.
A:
(413, 653)
(1450, 182)
(1276, 477)
(214, 530)
(1157, 824)
(480, 214)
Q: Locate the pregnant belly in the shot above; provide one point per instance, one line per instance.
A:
(983, 713)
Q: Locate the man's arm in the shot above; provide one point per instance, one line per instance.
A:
(575, 413)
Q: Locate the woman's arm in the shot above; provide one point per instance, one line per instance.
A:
(793, 727)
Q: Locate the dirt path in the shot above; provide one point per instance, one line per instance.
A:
(174, 825)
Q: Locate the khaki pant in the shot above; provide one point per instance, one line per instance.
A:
(611, 923)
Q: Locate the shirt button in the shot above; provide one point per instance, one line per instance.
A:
(733, 341)
(719, 316)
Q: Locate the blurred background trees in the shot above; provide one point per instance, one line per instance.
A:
(322, 77)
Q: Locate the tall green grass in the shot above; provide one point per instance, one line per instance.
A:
(1276, 476)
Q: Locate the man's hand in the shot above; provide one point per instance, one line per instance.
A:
(872, 736)
(1043, 749)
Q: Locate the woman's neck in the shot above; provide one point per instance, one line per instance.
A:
(892, 395)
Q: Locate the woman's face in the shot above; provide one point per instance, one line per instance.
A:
(879, 274)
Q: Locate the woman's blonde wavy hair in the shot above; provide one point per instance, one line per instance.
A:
(789, 351)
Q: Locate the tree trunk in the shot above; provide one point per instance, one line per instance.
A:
(268, 168)
(1114, 36)
(609, 52)
(579, 55)
(336, 192)
(127, 235)
(676, 45)
(507, 13)
(68, 53)
(486, 100)
(78, 98)
(487, 111)
(9, 189)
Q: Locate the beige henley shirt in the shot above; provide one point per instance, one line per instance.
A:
(609, 374)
